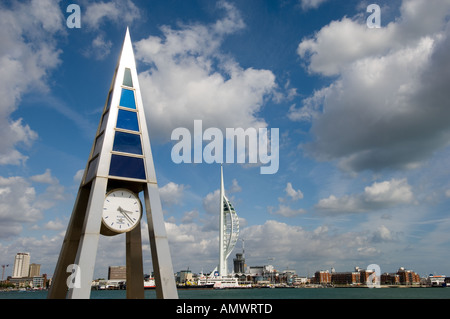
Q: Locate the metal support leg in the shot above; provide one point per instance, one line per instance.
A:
(58, 289)
(135, 270)
(161, 259)
(87, 250)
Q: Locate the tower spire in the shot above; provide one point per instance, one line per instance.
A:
(228, 228)
(222, 259)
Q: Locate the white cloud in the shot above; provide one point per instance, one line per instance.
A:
(45, 178)
(211, 202)
(293, 245)
(189, 217)
(286, 211)
(311, 4)
(56, 224)
(386, 107)
(94, 17)
(379, 195)
(118, 11)
(17, 205)
(99, 49)
(27, 55)
(235, 187)
(292, 193)
(171, 193)
(78, 176)
(189, 78)
(192, 246)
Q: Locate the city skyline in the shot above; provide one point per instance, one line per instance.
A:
(363, 138)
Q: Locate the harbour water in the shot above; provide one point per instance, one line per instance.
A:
(265, 293)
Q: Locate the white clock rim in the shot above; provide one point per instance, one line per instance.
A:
(140, 210)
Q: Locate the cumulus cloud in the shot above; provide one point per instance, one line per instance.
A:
(379, 195)
(283, 208)
(118, 11)
(17, 205)
(318, 247)
(22, 203)
(387, 104)
(45, 178)
(192, 246)
(189, 78)
(27, 55)
(97, 14)
(171, 193)
(292, 193)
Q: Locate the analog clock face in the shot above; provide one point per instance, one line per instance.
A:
(122, 210)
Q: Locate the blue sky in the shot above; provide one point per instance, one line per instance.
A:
(362, 114)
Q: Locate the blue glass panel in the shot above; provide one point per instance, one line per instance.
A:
(127, 80)
(124, 166)
(127, 120)
(127, 99)
(127, 143)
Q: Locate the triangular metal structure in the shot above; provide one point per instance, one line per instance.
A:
(120, 166)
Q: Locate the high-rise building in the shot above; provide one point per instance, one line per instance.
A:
(21, 265)
(35, 270)
(117, 272)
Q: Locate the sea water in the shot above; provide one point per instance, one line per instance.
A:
(265, 293)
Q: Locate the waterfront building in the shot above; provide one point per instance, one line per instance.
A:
(117, 273)
(408, 277)
(389, 279)
(346, 278)
(21, 265)
(239, 264)
(35, 270)
(322, 277)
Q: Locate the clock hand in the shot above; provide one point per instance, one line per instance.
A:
(125, 213)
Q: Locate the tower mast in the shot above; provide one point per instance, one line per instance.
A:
(222, 259)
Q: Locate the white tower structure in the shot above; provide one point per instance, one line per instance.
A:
(228, 228)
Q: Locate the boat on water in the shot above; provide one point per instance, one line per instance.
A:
(221, 282)
(195, 285)
(149, 283)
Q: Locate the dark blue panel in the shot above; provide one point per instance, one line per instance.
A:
(109, 100)
(127, 99)
(127, 120)
(127, 143)
(124, 166)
